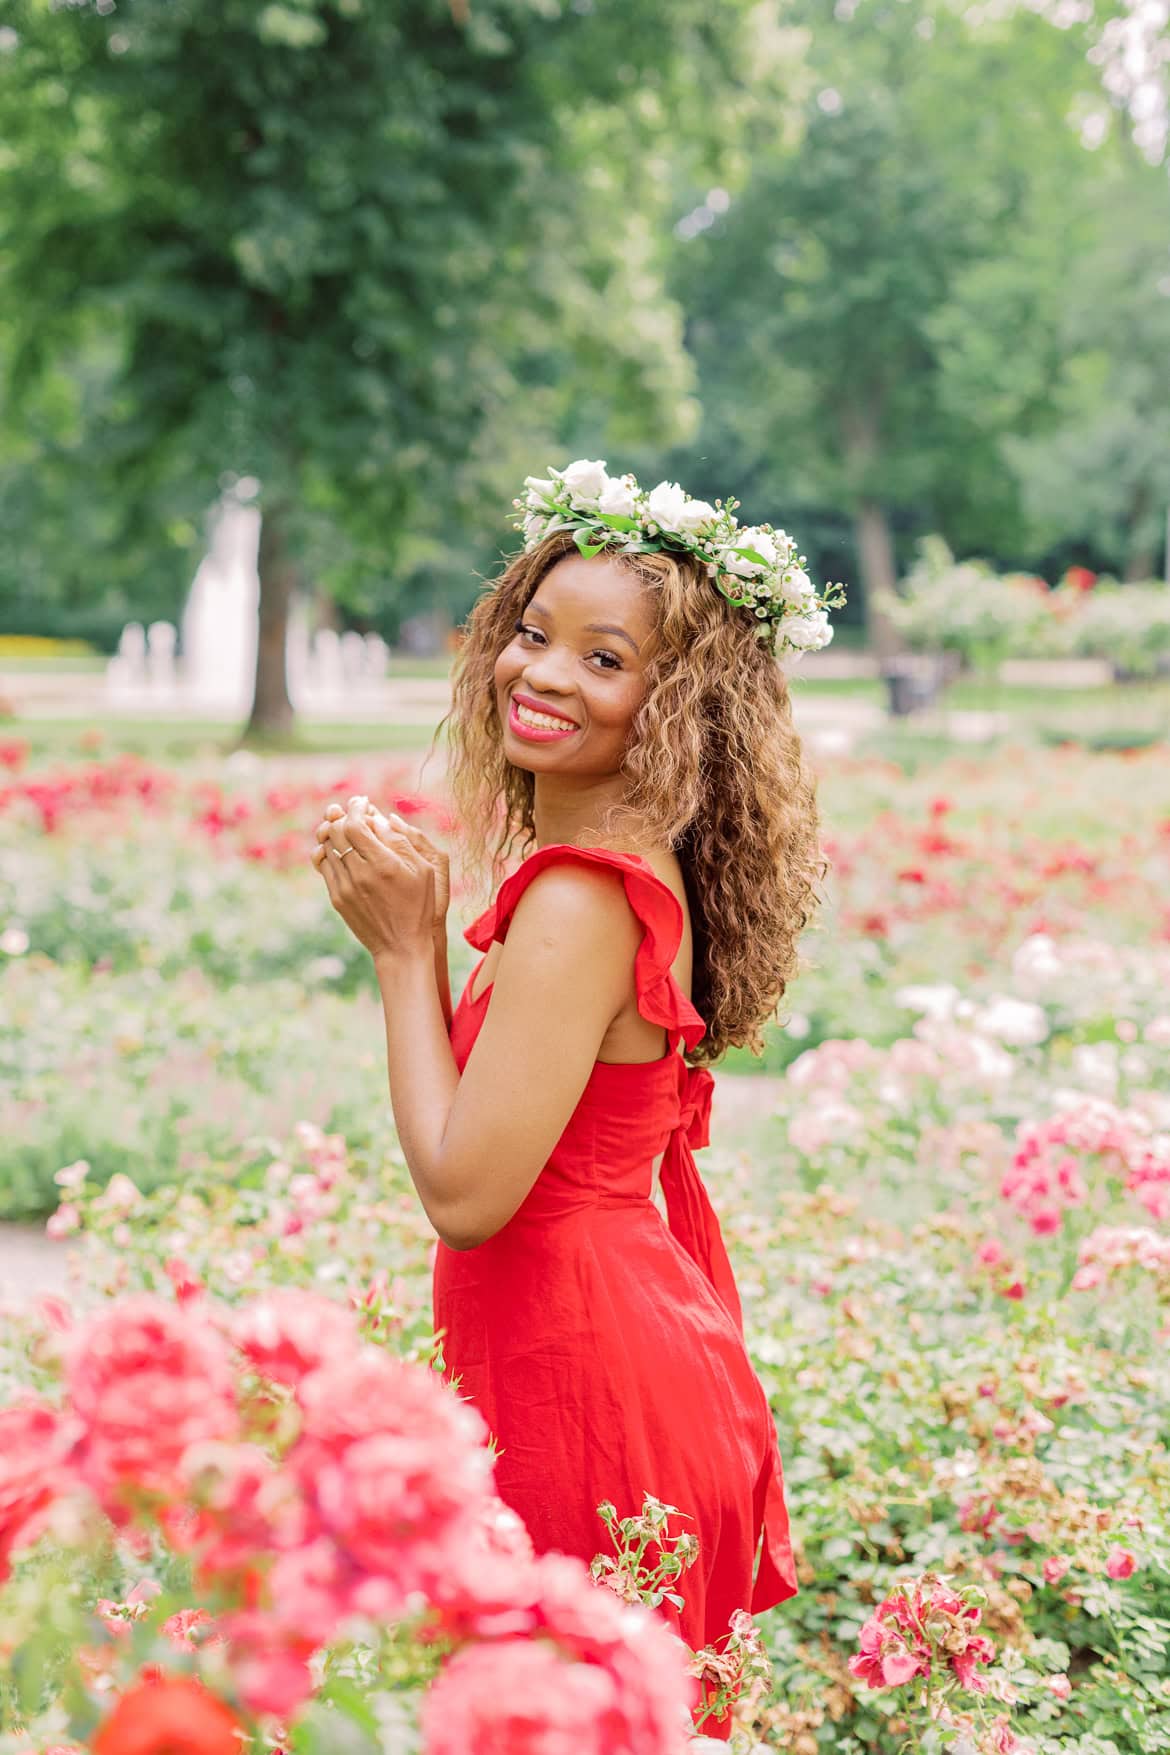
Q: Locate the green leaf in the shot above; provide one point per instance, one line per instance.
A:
(587, 548)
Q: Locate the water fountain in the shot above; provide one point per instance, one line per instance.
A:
(213, 672)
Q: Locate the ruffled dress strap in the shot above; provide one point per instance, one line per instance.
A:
(660, 998)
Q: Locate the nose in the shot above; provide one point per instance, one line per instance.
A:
(546, 671)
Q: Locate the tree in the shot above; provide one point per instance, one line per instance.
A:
(828, 303)
(335, 245)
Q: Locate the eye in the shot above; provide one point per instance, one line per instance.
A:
(527, 632)
(613, 662)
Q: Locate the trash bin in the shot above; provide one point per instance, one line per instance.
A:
(912, 684)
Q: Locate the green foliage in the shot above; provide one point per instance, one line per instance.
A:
(345, 248)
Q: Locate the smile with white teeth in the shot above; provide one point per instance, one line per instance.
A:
(541, 721)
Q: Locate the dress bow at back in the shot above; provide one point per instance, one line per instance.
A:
(689, 1211)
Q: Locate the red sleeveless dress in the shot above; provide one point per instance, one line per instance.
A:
(603, 1345)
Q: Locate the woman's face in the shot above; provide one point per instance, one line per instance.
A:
(573, 675)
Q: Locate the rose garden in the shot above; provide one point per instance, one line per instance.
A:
(235, 1499)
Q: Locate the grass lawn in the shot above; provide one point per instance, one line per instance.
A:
(194, 740)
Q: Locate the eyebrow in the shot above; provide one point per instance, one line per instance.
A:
(591, 627)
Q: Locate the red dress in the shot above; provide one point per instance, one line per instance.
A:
(602, 1344)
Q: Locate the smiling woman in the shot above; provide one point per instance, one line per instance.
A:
(620, 722)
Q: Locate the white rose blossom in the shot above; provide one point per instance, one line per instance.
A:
(586, 481)
(618, 501)
(808, 633)
(695, 516)
(666, 505)
(796, 586)
(761, 542)
(739, 564)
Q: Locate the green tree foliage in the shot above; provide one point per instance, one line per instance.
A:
(890, 295)
(353, 248)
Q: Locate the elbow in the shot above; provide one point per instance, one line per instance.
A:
(461, 1240)
(459, 1229)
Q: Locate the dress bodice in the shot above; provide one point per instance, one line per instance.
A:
(628, 1113)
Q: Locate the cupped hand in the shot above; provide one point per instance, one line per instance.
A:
(385, 888)
(435, 857)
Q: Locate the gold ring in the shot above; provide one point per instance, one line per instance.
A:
(342, 855)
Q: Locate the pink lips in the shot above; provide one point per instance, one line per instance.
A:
(537, 733)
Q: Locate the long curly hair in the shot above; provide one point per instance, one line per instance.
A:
(713, 768)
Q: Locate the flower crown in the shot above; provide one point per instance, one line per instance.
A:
(755, 568)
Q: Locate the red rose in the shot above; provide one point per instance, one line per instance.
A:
(173, 1716)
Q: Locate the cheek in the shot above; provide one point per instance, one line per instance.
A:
(620, 706)
(507, 667)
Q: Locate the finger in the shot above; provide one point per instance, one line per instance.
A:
(395, 846)
(334, 810)
(341, 838)
(420, 842)
(370, 839)
(329, 871)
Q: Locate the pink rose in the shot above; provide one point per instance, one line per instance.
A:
(34, 1448)
(1055, 1567)
(1120, 1563)
(64, 1221)
(147, 1380)
(287, 1334)
(179, 1628)
(1060, 1686)
(393, 1463)
(883, 1659)
(617, 1681)
(520, 1695)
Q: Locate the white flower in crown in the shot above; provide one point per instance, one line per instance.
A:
(672, 508)
(619, 499)
(585, 481)
(807, 633)
(796, 587)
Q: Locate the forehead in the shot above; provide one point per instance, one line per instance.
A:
(595, 588)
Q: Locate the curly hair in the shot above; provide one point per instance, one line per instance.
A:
(713, 768)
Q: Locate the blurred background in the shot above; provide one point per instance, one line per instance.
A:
(294, 295)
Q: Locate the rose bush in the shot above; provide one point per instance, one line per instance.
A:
(951, 1237)
(315, 1531)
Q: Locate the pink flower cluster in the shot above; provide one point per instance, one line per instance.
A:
(1112, 1248)
(371, 1496)
(1046, 1174)
(926, 1629)
(562, 1666)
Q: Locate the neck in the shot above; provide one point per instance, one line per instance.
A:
(566, 812)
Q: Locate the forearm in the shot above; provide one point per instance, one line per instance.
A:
(443, 974)
(421, 1070)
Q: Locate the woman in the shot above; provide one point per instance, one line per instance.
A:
(619, 719)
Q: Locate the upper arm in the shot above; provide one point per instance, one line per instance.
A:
(565, 971)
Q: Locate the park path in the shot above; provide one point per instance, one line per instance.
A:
(32, 1264)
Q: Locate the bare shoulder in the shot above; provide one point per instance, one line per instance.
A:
(584, 905)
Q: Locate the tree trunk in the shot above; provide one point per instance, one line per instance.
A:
(272, 711)
(875, 553)
(1139, 560)
(860, 439)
